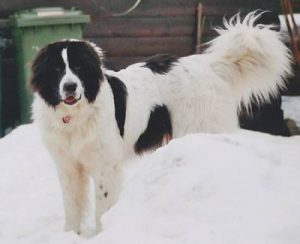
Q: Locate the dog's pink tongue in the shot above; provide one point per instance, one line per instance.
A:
(66, 119)
(70, 99)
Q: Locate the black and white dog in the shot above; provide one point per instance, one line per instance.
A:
(92, 119)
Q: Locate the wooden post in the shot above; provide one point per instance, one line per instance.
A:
(200, 27)
(293, 30)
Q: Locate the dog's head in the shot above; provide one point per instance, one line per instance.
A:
(67, 72)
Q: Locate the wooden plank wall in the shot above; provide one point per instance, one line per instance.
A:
(155, 26)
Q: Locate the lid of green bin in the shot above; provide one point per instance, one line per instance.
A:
(48, 16)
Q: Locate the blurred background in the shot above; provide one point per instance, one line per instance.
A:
(130, 31)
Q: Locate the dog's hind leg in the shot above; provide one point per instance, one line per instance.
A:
(107, 190)
(74, 181)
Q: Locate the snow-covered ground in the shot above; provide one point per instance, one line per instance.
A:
(291, 108)
(241, 188)
(283, 22)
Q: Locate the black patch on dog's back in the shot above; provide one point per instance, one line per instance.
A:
(161, 63)
(120, 99)
(159, 128)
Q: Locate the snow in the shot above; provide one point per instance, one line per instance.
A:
(291, 108)
(283, 22)
(241, 188)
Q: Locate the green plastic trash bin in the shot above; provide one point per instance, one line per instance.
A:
(33, 29)
(2, 44)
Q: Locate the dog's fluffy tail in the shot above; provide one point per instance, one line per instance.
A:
(252, 57)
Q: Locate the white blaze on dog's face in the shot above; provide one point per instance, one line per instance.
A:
(66, 72)
(70, 87)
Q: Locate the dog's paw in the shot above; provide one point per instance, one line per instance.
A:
(98, 228)
(75, 229)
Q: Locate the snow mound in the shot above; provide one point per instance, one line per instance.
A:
(241, 188)
(291, 108)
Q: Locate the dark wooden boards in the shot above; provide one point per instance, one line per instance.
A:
(155, 26)
(146, 8)
(145, 46)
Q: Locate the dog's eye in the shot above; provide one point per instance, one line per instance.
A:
(57, 69)
(77, 68)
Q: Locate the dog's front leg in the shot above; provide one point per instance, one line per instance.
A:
(73, 179)
(107, 190)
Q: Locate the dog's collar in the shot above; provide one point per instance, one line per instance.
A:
(66, 119)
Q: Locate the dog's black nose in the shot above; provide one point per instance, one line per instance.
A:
(70, 87)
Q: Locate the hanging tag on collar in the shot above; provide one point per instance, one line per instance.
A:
(66, 119)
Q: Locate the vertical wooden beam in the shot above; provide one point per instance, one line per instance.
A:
(200, 27)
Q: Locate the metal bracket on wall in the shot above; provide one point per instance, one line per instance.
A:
(129, 10)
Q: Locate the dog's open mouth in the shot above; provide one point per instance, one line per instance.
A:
(71, 100)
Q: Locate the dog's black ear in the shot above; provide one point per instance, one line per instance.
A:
(46, 71)
(94, 61)
(94, 58)
(97, 50)
(38, 67)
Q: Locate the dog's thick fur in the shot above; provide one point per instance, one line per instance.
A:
(111, 116)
